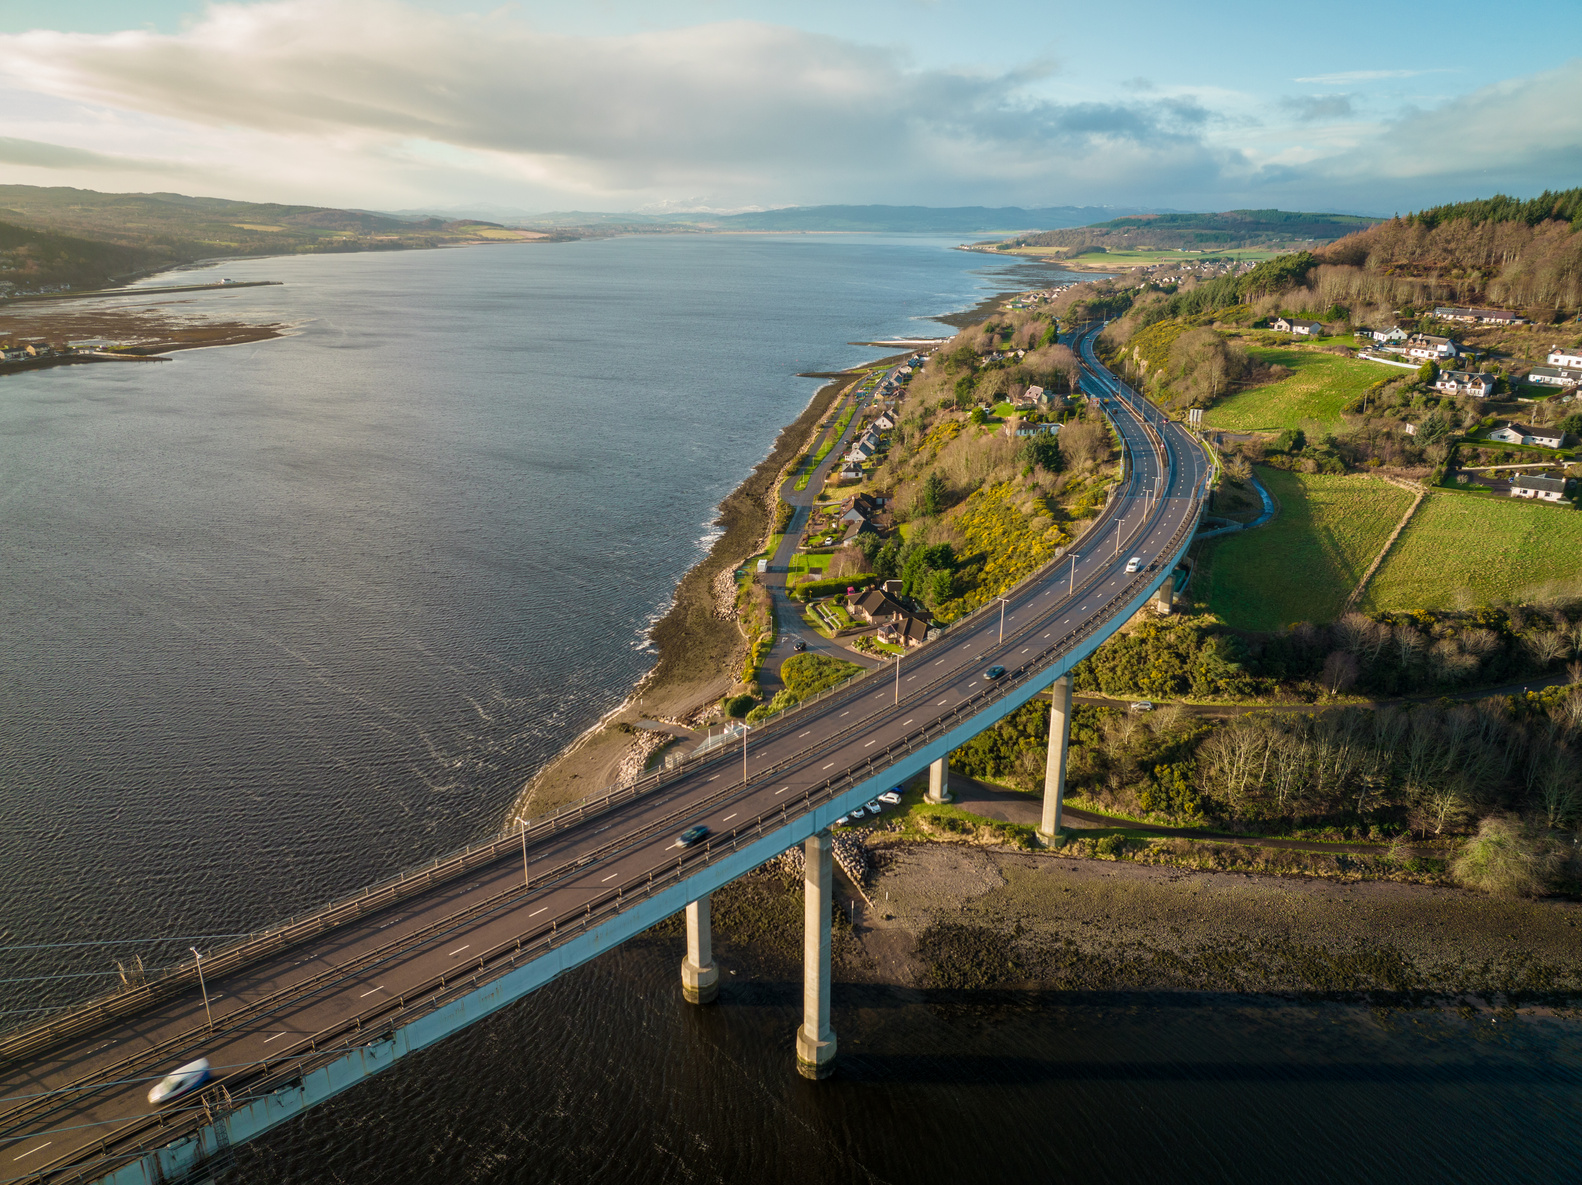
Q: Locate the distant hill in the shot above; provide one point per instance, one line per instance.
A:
(82, 238)
(1174, 231)
(910, 219)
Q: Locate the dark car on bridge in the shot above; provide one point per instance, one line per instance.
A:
(994, 672)
(692, 835)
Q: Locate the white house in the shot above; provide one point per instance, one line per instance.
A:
(1547, 489)
(1393, 334)
(1555, 376)
(884, 421)
(859, 452)
(1514, 433)
(1028, 428)
(1496, 316)
(1298, 326)
(1427, 347)
(1568, 358)
(1463, 382)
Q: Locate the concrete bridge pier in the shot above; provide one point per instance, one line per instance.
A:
(939, 781)
(700, 978)
(815, 1041)
(1164, 599)
(1055, 771)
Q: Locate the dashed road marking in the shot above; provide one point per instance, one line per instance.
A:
(30, 1151)
(459, 949)
(730, 816)
(875, 739)
(827, 766)
(715, 778)
(611, 877)
(536, 912)
(782, 789)
(800, 735)
(904, 723)
(276, 1037)
(371, 991)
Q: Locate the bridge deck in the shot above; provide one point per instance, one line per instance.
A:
(73, 1098)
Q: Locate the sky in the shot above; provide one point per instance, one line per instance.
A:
(723, 105)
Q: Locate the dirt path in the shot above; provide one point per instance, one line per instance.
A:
(1356, 593)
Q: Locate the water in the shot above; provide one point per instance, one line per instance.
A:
(278, 620)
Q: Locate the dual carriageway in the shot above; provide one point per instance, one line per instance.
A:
(313, 1006)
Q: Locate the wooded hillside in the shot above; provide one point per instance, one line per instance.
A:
(1232, 229)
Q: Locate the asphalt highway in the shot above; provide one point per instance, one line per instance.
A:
(80, 1102)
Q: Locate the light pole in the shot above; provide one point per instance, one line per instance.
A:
(519, 819)
(203, 987)
(744, 751)
(1002, 619)
(898, 669)
(1074, 558)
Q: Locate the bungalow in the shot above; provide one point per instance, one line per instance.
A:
(1464, 382)
(1386, 336)
(1511, 432)
(1568, 358)
(859, 508)
(1493, 316)
(877, 605)
(851, 471)
(1029, 428)
(1298, 326)
(1555, 376)
(907, 631)
(1547, 489)
(884, 421)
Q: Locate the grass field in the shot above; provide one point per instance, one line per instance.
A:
(1146, 257)
(1310, 399)
(1303, 565)
(1460, 551)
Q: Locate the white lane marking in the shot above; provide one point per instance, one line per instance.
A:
(782, 789)
(276, 1037)
(1025, 649)
(971, 685)
(937, 663)
(1046, 635)
(536, 912)
(611, 877)
(372, 990)
(800, 735)
(940, 703)
(904, 723)
(715, 778)
(730, 816)
(827, 766)
(875, 739)
(458, 950)
(847, 712)
(909, 678)
(30, 1151)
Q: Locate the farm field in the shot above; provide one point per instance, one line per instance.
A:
(1462, 551)
(1304, 564)
(1310, 399)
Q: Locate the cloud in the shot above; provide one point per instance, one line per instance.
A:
(1312, 108)
(38, 155)
(734, 109)
(1347, 77)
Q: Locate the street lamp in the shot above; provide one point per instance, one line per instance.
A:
(1074, 558)
(1002, 619)
(203, 987)
(523, 821)
(745, 730)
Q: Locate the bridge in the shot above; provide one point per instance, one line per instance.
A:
(294, 1014)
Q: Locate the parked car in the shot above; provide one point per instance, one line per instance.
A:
(890, 798)
(691, 836)
(843, 820)
(873, 806)
(994, 672)
(1143, 705)
(1134, 563)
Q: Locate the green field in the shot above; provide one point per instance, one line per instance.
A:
(1460, 551)
(1145, 257)
(1304, 564)
(1310, 399)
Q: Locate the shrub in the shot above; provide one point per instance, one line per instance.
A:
(1111, 846)
(1508, 858)
(737, 706)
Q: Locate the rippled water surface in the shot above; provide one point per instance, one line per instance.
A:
(278, 620)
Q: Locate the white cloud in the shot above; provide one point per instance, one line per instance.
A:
(1347, 77)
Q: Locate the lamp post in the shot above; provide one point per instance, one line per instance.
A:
(744, 750)
(898, 669)
(1074, 558)
(203, 987)
(1002, 619)
(523, 822)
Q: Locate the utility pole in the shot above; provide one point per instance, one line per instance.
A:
(203, 987)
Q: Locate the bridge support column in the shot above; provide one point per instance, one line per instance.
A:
(700, 978)
(1055, 771)
(939, 781)
(815, 1042)
(1165, 597)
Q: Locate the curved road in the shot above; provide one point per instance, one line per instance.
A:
(73, 1096)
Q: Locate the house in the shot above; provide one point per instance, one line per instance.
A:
(851, 471)
(1555, 376)
(1464, 382)
(908, 631)
(1409, 429)
(884, 421)
(1492, 316)
(1571, 358)
(1388, 336)
(860, 452)
(1427, 347)
(859, 508)
(875, 605)
(1023, 428)
(1513, 433)
(1298, 326)
(1546, 489)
